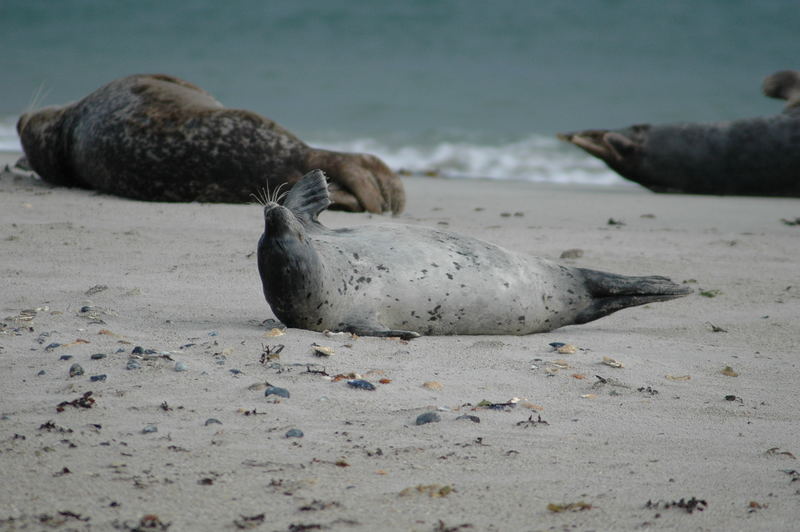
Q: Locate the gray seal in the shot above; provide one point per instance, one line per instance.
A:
(402, 280)
(754, 157)
(159, 138)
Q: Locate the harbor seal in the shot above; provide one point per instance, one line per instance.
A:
(403, 280)
(159, 138)
(753, 157)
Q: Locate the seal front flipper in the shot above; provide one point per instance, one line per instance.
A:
(373, 328)
(611, 292)
(308, 197)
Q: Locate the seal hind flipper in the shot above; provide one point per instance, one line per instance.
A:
(309, 197)
(373, 328)
(611, 292)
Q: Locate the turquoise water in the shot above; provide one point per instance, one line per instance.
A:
(469, 88)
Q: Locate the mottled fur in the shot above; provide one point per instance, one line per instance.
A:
(402, 280)
(156, 137)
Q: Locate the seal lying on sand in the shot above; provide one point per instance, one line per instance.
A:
(756, 156)
(402, 280)
(159, 138)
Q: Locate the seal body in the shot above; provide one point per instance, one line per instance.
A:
(757, 156)
(156, 137)
(399, 280)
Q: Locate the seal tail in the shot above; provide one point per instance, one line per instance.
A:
(612, 292)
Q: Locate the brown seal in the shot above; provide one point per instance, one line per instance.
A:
(159, 138)
(754, 156)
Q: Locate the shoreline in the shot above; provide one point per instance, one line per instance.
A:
(108, 274)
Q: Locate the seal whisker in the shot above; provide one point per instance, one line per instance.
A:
(38, 95)
(277, 191)
(257, 199)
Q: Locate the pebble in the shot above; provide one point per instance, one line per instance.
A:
(572, 254)
(556, 345)
(65, 357)
(98, 356)
(181, 366)
(294, 433)
(75, 370)
(51, 347)
(474, 419)
(98, 378)
(120, 350)
(213, 421)
(41, 372)
(235, 371)
(138, 350)
(149, 428)
(133, 364)
(274, 390)
(86, 308)
(361, 384)
(428, 417)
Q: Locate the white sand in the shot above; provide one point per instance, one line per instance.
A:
(181, 274)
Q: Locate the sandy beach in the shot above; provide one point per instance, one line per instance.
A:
(698, 430)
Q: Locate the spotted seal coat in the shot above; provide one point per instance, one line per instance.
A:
(403, 280)
(159, 138)
(755, 156)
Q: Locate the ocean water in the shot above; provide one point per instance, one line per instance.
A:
(464, 88)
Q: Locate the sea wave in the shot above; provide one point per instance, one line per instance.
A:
(9, 141)
(535, 158)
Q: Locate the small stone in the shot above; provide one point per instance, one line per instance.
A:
(51, 346)
(41, 372)
(133, 364)
(556, 345)
(149, 428)
(181, 366)
(567, 349)
(428, 417)
(274, 390)
(321, 350)
(361, 384)
(572, 254)
(433, 385)
(294, 433)
(730, 397)
(75, 370)
(98, 378)
(98, 356)
(150, 352)
(213, 421)
(138, 350)
(474, 419)
(65, 357)
(85, 309)
(235, 371)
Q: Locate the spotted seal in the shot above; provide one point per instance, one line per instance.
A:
(755, 156)
(159, 138)
(403, 280)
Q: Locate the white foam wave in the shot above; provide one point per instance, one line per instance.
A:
(9, 141)
(536, 158)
